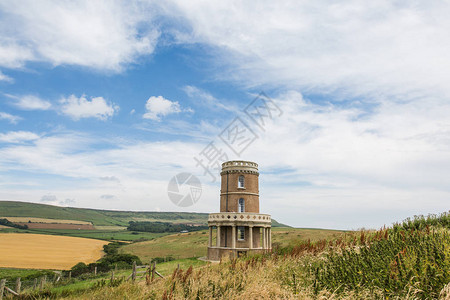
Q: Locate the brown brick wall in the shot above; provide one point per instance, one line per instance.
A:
(235, 193)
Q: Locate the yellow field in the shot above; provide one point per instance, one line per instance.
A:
(1, 226)
(106, 227)
(39, 251)
(42, 220)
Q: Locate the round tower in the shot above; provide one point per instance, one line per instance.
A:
(240, 228)
(239, 189)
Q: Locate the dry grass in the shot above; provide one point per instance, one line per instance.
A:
(271, 278)
(43, 220)
(38, 251)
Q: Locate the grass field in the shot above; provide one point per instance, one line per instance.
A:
(193, 244)
(38, 251)
(44, 220)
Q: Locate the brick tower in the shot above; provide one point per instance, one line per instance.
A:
(240, 228)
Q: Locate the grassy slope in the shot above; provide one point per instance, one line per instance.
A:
(98, 217)
(193, 244)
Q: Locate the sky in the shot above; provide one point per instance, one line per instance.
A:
(344, 105)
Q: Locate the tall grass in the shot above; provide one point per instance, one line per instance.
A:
(408, 261)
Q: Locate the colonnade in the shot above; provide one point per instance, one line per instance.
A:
(266, 236)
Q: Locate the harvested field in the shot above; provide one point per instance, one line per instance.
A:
(56, 226)
(43, 220)
(39, 251)
(110, 227)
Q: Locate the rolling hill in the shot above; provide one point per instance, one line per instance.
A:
(100, 217)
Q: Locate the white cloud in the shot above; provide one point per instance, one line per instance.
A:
(30, 102)
(100, 35)
(79, 108)
(18, 137)
(11, 118)
(6, 78)
(158, 107)
(352, 47)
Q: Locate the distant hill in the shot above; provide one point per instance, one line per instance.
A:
(100, 217)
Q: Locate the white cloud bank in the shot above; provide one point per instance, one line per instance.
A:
(158, 106)
(103, 35)
(321, 165)
(353, 47)
(79, 108)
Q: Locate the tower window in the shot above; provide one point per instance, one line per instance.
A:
(241, 182)
(241, 233)
(241, 205)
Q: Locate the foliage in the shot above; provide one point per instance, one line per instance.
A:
(5, 222)
(79, 268)
(116, 258)
(162, 259)
(391, 262)
(112, 248)
(162, 227)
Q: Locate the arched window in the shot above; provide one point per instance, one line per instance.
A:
(241, 181)
(241, 205)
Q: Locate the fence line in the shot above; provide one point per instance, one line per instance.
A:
(148, 272)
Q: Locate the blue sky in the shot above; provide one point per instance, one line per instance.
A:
(102, 103)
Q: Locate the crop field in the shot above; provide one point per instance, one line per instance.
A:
(38, 251)
(44, 220)
(56, 226)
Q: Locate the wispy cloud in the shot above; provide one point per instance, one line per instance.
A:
(18, 137)
(204, 98)
(11, 118)
(6, 78)
(29, 102)
(79, 108)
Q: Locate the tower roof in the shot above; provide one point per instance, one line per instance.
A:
(240, 166)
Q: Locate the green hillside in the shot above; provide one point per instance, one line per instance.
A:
(99, 217)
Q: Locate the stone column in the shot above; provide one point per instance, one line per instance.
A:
(218, 236)
(210, 236)
(264, 237)
(233, 236)
(250, 236)
(270, 238)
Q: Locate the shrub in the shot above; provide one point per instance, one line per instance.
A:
(79, 268)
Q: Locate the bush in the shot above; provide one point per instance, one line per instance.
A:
(6, 222)
(79, 268)
(126, 258)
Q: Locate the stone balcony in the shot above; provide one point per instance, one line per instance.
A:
(244, 219)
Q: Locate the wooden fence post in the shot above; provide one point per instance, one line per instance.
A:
(95, 271)
(2, 287)
(35, 284)
(43, 281)
(112, 276)
(70, 275)
(18, 285)
(133, 275)
(153, 270)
